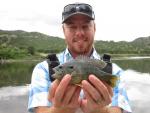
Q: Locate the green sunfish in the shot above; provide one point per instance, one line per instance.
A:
(81, 67)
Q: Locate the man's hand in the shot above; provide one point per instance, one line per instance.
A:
(63, 95)
(98, 95)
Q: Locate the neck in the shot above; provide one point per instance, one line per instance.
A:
(74, 55)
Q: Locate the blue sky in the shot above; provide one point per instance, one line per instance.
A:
(118, 20)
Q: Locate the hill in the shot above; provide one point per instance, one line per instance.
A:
(138, 46)
(19, 43)
(38, 41)
(142, 42)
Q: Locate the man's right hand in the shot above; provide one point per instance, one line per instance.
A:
(65, 97)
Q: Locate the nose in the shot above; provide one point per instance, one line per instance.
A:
(79, 31)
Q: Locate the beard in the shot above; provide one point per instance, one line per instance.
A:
(81, 47)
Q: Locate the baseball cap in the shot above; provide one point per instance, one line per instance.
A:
(77, 8)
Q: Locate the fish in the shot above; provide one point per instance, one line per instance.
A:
(81, 67)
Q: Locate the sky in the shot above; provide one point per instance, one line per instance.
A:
(117, 20)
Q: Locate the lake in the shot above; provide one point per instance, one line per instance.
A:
(16, 72)
(15, 77)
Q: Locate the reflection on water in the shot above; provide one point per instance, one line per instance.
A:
(16, 73)
(138, 89)
(136, 83)
(136, 79)
(19, 73)
(14, 97)
(140, 64)
(15, 91)
(135, 57)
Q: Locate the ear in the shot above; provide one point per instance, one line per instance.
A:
(94, 26)
(63, 28)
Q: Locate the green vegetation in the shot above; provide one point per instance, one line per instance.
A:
(16, 73)
(29, 48)
(20, 44)
(140, 46)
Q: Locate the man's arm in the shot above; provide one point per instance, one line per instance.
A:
(42, 109)
(109, 110)
(114, 110)
(54, 110)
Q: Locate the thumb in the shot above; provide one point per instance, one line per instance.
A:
(52, 89)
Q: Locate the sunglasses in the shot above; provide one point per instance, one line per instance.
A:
(73, 8)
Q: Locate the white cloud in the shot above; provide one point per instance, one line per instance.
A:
(116, 20)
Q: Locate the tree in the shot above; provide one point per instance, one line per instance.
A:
(31, 50)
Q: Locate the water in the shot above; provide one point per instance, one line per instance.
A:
(139, 64)
(16, 73)
(13, 99)
(136, 82)
(138, 90)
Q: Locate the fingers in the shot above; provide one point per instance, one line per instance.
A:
(102, 88)
(90, 105)
(75, 98)
(67, 96)
(97, 93)
(71, 96)
(60, 91)
(53, 88)
(110, 89)
(64, 94)
(98, 90)
(88, 97)
(93, 92)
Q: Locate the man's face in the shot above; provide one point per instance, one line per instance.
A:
(79, 33)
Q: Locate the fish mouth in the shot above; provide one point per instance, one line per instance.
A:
(54, 70)
(57, 73)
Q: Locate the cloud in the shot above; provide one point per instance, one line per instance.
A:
(115, 20)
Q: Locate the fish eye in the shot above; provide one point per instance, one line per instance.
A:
(60, 67)
(71, 67)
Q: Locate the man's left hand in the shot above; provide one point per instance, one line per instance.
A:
(98, 95)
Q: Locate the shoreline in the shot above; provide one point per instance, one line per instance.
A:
(17, 99)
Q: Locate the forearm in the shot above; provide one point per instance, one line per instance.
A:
(54, 110)
(109, 110)
(114, 110)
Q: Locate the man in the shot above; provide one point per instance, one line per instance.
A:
(95, 96)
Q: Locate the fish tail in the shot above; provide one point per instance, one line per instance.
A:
(112, 81)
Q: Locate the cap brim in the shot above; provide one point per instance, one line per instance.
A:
(85, 14)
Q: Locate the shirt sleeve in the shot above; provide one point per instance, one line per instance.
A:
(39, 87)
(120, 97)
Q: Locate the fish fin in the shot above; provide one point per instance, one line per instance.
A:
(79, 85)
(95, 62)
